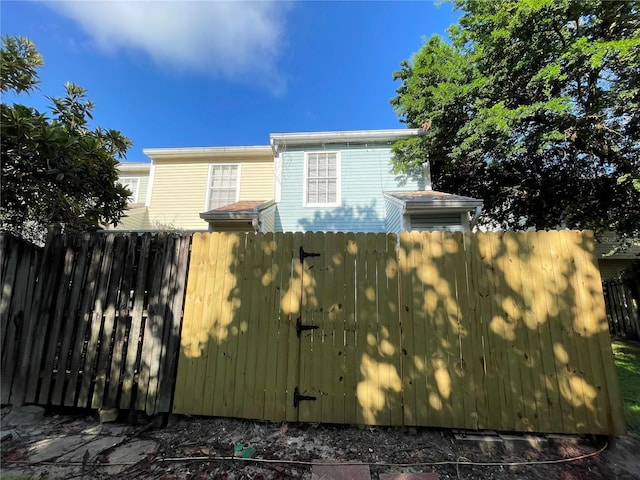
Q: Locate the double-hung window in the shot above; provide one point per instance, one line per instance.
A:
(322, 179)
(133, 185)
(224, 185)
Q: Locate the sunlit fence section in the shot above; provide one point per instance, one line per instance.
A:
(502, 331)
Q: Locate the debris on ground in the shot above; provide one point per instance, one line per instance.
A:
(66, 445)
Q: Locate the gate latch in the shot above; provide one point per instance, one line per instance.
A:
(304, 254)
(300, 327)
(297, 398)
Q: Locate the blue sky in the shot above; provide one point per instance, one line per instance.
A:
(205, 73)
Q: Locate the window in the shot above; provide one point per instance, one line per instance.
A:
(322, 179)
(223, 185)
(133, 185)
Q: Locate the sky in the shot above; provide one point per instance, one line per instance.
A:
(209, 73)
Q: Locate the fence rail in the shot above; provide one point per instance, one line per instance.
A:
(92, 321)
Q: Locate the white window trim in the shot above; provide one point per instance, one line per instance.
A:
(210, 174)
(338, 201)
(135, 193)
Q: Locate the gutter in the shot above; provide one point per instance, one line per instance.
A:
(350, 137)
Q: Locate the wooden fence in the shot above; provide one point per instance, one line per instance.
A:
(481, 331)
(623, 308)
(92, 321)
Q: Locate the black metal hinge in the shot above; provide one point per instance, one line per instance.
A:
(304, 254)
(300, 327)
(297, 398)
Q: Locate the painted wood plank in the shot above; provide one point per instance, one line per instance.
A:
(329, 363)
(218, 355)
(594, 384)
(463, 368)
(576, 361)
(56, 327)
(272, 384)
(405, 256)
(168, 374)
(199, 347)
(530, 274)
(611, 400)
(51, 267)
(84, 313)
(287, 352)
(526, 413)
(230, 316)
(245, 321)
(71, 322)
(103, 361)
(351, 359)
(292, 308)
(477, 295)
(132, 361)
(95, 324)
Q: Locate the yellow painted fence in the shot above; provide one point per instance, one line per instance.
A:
(503, 331)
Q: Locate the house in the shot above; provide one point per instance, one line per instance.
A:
(135, 176)
(344, 181)
(183, 182)
(315, 181)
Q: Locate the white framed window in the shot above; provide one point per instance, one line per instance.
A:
(321, 179)
(224, 185)
(133, 185)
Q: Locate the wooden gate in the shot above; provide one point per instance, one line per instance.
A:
(481, 331)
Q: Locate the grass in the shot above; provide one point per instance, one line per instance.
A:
(627, 357)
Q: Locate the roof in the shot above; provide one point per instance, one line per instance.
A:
(244, 210)
(425, 199)
(347, 136)
(134, 167)
(208, 152)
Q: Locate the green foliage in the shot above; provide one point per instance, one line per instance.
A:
(627, 358)
(58, 169)
(534, 107)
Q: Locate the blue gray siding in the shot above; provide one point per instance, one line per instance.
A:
(393, 218)
(268, 219)
(365, 174)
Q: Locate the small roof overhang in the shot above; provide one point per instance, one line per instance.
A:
(243, 211)
(129, 167)
(416, 201)
(208, 152)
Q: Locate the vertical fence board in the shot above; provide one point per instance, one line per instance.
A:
(77, 368)
(130, 368)
(105, 341)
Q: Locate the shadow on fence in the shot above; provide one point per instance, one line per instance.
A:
(92, 321)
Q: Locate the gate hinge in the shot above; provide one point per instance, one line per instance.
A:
(304, 254)
(297, 398)
(300, 327)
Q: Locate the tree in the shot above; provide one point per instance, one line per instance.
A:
(534, 107)
(54, 170)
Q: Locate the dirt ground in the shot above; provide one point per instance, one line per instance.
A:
(71, 445)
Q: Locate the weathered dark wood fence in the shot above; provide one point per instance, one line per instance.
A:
(623, 308)
(92, 321)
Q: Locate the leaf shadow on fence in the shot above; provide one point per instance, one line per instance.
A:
(503, 331)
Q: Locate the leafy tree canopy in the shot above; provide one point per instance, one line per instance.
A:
(534, 106)
(54, 169)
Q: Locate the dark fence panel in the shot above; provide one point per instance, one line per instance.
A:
(92, 321)
(623, 309)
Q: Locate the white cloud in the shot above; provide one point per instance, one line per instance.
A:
(240, 41)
